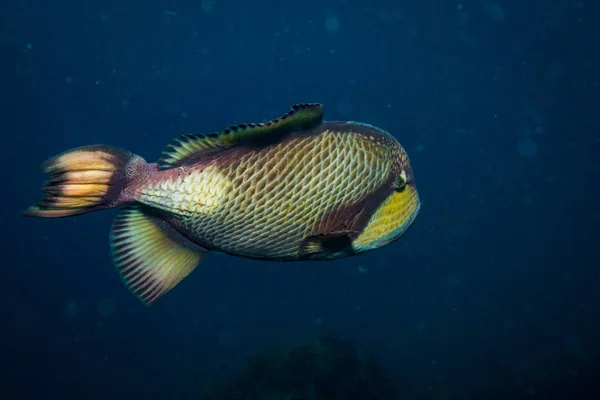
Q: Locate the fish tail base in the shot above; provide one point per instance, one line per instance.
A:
(87, 179)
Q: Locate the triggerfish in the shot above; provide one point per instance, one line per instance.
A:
(294, 188)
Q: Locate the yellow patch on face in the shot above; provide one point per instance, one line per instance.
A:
(390, 220)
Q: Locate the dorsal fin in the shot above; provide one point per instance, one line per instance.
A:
(191, 146)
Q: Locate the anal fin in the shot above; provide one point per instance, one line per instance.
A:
(150, 255)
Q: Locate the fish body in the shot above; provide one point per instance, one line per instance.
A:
(295, 188)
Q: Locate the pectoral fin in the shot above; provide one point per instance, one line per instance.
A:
(150, 255)
(327, 244)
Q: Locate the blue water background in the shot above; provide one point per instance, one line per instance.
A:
(494, 290)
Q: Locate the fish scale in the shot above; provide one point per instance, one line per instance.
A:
(294, 188)
(256, 209)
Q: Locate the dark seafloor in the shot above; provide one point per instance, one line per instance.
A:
(492, 294)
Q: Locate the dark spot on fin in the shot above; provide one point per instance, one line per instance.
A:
(193, 146)
(326, 244)
(150, 255)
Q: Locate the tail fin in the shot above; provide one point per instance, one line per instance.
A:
(87, 179)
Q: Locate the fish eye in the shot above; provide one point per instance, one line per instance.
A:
(400, 182)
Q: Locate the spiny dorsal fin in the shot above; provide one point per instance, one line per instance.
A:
(191, 146)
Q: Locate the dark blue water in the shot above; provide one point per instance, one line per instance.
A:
(493, 293)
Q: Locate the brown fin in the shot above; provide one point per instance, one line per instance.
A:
(189, 147)
(86, 179)
(149, 254)
(328, 243)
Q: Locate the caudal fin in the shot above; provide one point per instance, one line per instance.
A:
(87, 179)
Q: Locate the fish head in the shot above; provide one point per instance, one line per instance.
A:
(396, 212)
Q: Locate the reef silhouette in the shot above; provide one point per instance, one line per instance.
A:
(328, 368)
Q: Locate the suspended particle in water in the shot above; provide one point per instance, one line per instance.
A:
(362, 270)
(527, 148)
(72, 310)
(332, 25)
(527, 200)
(106, 307)
(207, 6)
(494, 11)
(463, 18)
